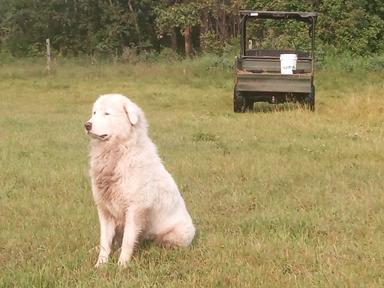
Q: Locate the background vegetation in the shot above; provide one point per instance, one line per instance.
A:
(120, 28)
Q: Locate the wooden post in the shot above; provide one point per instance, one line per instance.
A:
(48, 55)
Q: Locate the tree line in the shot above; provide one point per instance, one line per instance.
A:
(187, 27)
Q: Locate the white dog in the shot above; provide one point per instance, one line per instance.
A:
(132, 190)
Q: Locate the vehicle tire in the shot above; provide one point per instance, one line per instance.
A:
(249, 103)
(238, 102)
(310, 100)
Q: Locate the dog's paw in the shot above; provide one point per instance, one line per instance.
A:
(123, 262)
(100, 262)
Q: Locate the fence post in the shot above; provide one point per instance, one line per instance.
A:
(48, 55)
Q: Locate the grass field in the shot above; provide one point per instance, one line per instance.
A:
(280, 198)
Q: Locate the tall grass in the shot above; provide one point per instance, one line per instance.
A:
(280, 199)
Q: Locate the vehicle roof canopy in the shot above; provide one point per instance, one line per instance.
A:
(301, 16)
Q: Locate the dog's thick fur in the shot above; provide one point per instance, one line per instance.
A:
(132, 190)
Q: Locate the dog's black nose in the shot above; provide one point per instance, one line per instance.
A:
(88, 126)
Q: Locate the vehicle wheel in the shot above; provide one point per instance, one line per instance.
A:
(249, 103)
(238, 102)
(310, 100)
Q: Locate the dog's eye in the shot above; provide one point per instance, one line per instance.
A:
(106, 113)
(94, 112)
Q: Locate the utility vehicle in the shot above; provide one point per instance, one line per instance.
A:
(258, 76)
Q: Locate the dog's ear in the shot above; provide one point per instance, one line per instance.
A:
(132, 113)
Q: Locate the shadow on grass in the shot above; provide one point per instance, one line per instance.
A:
(144, 245)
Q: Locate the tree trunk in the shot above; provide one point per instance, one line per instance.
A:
(135, 20)
(204, 22)
(188, 42)
(223, 25)
(174, 40)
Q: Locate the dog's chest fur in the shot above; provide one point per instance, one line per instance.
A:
(107, 180)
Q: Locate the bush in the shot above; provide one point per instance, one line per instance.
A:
(6, 57)
(350, 63)
(211, 43)
(168, 55)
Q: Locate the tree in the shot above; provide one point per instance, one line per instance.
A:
(181, 16)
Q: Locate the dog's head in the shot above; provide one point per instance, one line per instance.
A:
(113, 116)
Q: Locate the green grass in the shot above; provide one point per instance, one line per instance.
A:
(280, 198)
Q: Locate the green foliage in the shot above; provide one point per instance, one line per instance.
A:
(106, 27)
(75, 26)
(354, 26)
(211, 43)
(6, 57)
(351, 26)
(351, 63)
(168, 55)
(276, 34)
(180, 16)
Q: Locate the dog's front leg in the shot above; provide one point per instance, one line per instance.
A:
(107, 232)
(132, 229)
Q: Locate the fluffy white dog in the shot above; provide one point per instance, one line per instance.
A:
(132, 190)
